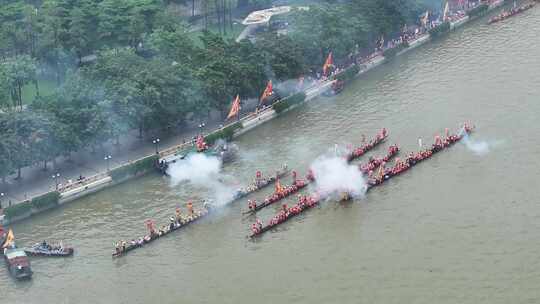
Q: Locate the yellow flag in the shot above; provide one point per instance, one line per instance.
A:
(9, 239)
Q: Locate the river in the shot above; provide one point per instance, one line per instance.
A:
(459, 228)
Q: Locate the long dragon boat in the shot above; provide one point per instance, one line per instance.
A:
(415, 158)
(260, 183)
(306, 203)
(356, 153)
(507, 14)
(375, 162)
(297, 185)
(278, 195)
(123, 247)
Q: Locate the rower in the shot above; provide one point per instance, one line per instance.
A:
(190, 208)
(383, 132)
(259, 224)
(294, 177)
(179, 215)
(171, 225)
(258, 177)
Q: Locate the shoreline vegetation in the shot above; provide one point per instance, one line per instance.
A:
(108, 86)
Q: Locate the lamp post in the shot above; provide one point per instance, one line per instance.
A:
(108, 159)
(1, 198)
(201, 126)
(55, 177)
(156, 142)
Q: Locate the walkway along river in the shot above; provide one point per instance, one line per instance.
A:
(461, 228)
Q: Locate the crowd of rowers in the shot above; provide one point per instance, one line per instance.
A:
(400, 166)
(413, 158)
(304, 202)
(176, 221)
(376, 162)
(280, 192)
(509, 13)
(283, 191)
(261, 182)
(365, 147)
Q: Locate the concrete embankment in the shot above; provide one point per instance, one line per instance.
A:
(36, 205)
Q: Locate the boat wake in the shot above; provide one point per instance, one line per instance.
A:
(479, 148)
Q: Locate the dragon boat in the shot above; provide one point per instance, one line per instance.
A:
(306, 203)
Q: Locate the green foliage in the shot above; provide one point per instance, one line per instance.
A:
(348, 74)
(440, 30)
(280, 106)
(151, 71)
(18, 210)
(288, 102)
(16, 72)
(479, 10)
(226, 133)
(46, 200)
(283, 55)
(141, 166)
(27, 137)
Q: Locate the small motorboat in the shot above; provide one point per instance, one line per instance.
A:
(44, 249)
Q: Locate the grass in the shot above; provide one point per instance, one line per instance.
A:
(46, 87)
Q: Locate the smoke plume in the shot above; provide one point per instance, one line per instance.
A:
(479, 148)
(204, 171)
(334, 176)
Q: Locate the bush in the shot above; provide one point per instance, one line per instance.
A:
(141, 166)
(226, 133)
(46, 200)
(289, 101)
(18, 210)
(280, 106)
(296, 98)
(479, 10)
(440, 30)
(348, 74)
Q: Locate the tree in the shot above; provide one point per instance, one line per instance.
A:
(79, 120)
(227, 68)
(30, 138)
(173, 43)
(19, 71)
(283, 55)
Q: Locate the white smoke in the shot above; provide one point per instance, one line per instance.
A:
(204, 171)
(334, 176)
(479, 148)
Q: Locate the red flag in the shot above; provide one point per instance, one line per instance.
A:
(268, 91)
(201, 145)
(300, 84)
(278, 187)
(327, 64)
(235, 108)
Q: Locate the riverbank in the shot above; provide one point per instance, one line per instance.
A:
(73, 191)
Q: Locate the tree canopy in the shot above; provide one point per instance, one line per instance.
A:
(130, 64)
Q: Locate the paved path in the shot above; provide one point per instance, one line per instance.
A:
(36, 181)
